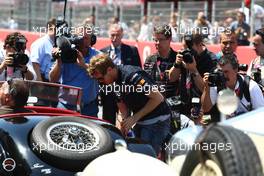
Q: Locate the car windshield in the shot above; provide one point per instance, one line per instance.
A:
(49, 94)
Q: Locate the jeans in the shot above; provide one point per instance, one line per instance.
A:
(90, 109)
(155, 134)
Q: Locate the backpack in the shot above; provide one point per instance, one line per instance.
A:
(244, 90)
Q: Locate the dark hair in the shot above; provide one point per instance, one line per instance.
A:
(19, 91)
(197, 38)
(229, 59)
(163, 29)
(51, 22)
(260, 32)
(11, 38)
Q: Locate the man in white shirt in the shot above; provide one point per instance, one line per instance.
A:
(234, 81)
(258, 14)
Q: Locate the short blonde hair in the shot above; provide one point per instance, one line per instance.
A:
(100, 63)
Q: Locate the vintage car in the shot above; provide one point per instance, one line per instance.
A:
(44, 140)
(230, 147)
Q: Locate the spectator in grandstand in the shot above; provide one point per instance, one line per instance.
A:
(74, 73)
(145, 30)
(258, 14)
(41, 49)
(256, 67)
(175, 37)
(227, 22)
(89, 20)
(189, 67)
(202, 25)
(241, 29)
(228, 43)
(15, 43)
(121, 54)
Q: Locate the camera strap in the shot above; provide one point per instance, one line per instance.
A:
(244, 90)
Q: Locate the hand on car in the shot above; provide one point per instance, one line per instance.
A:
(127, 124)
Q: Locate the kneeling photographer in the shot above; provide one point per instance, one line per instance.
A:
(16, 63)
(189, 67)
(71, 64)
(227, 76)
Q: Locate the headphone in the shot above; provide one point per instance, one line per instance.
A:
(93, 39)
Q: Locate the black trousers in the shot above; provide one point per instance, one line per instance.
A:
(110, 108)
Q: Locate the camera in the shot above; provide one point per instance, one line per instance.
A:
(257, 75)
(242, 67)
(69, 46)
(19, 58)
(187, 56)
(216, 78)
(67, 42)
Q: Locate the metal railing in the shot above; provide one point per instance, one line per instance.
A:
(160, 10)
(25, 14)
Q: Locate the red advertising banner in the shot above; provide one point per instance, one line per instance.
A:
(244, 53)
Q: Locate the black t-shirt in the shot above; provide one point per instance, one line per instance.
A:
(134, 84)
(205, 62)
(156, 66)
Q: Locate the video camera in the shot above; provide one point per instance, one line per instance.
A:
(217, 78)
(67, 42)
(19, 58)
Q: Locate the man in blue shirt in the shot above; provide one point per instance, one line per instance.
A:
(41, 52)
(75, 74)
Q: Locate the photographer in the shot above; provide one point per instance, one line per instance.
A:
(16, 63)
(70, 68)
(241, 29)
(246, 89)
(189, 67)
(256, 67)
